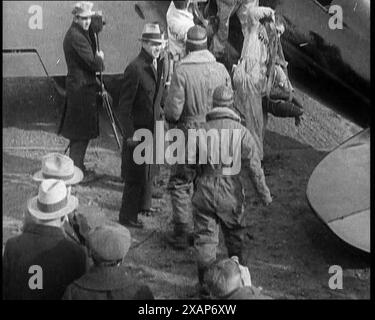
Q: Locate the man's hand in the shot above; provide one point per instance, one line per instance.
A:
(258, 13)
(267, 201)
(100, 54)
(297, 120)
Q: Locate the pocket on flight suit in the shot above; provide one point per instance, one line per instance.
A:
(230, 208)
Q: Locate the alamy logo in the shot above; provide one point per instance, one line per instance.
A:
(36, 20)
(36, 280)
(215, 147)
(336, 20)
(335, 281)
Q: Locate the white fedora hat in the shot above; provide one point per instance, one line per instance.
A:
(58, 166)
(151, 32)
(83, 9)
(53, 201)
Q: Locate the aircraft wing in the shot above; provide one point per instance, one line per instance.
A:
(339, 190)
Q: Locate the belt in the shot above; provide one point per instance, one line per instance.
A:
(216, 172)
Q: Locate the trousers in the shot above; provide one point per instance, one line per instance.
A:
(206, 238)
(137, 194)
(77, 152)
(227, 8)
(180, 186)
(135, 198)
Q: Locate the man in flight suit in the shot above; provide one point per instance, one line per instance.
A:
(219, 196)
(188, 101)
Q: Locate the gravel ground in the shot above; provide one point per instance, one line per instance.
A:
(289, 249)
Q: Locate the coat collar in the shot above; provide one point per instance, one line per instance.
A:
(148, 61)
(105, 278)
(222, 113)
(145, 56)
(80, 29)
(200, 56)
(42, 230)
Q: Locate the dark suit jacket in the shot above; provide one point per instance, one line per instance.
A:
(138, 109)
(107, 283)
(139, 90)
(62, 261)
(81, 119)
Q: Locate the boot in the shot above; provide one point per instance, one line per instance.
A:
(179, 238)
(203, 292)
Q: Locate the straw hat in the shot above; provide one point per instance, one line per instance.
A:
(58, 166)
(53, 201)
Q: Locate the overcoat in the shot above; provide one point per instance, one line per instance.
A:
(139, 108)
(61, 261)
(80, 120)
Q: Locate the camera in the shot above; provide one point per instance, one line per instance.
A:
(97, 22)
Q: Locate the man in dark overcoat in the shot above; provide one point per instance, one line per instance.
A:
(140, 107)
(80, 122)
(40, 263)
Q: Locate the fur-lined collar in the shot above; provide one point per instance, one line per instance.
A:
(200, 56)
(222, 113)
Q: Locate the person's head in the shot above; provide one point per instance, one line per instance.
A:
(82, 14)
(108, 244)
(223, 97)
(52, 204)
(223, 277)
(152, 39)
(196, 39)
(58, 166)
(181, 4)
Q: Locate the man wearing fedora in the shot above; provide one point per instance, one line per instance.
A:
(80, 121)
(41, 262)
(189, 99)
(139, 108)
(60, 167)
(108, 279)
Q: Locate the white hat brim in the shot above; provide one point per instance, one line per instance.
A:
(32, 207)
(77, 177)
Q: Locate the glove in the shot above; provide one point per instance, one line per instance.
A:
(267, 200)
(100, 54)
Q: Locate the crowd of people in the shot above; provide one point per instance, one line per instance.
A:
(82, 255)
